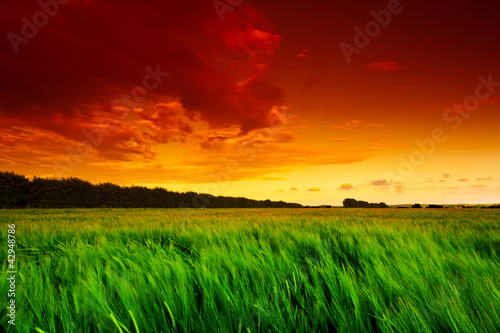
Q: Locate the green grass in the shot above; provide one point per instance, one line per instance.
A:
(261, 270)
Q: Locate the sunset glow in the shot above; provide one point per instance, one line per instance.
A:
(394, 101)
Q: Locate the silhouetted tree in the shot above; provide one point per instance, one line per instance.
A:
(15, 190)
(18, 191)
(436, 206)
(352, 203)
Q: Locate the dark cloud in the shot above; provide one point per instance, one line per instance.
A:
(382, 182)
(346, 187)
(94, 52)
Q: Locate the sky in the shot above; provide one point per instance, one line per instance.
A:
(308, 102)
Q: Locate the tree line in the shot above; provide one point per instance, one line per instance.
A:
(353, 203)
(17, 191)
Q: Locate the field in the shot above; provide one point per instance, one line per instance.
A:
(254, 270)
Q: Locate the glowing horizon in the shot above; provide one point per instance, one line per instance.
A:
(393, 101)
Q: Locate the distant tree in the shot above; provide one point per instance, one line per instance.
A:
(14, 190)
(436, 206)
(416, 206)
(349, 203)
(352, 203)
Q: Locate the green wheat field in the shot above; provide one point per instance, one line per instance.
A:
(254, 270)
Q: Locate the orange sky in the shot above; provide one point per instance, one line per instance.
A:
(394, 101)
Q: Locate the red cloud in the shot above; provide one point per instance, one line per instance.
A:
(303, 54)
(65, 79)
(384, 66)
